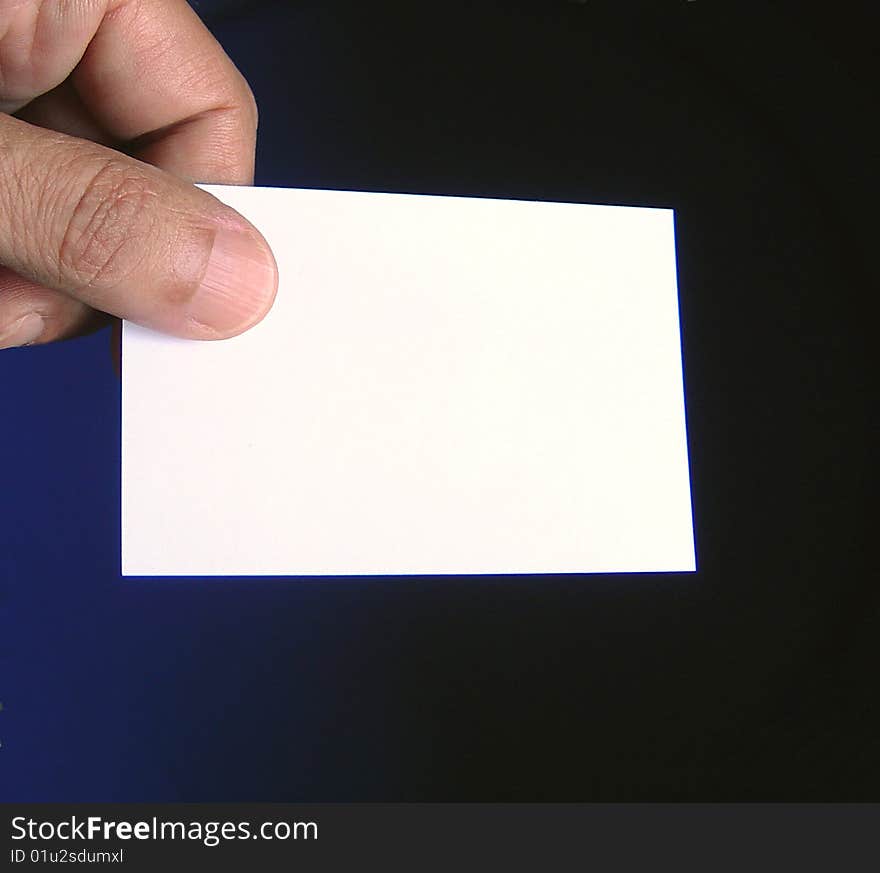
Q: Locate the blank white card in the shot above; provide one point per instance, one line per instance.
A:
(444, 385)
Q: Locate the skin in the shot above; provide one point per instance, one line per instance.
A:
(109, 111)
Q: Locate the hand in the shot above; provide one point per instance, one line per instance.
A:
(109, 109)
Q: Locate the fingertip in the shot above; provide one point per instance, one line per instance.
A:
(25, 331)
(239, 284)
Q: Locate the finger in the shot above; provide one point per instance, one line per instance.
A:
(61, 109)
(153, 75)
(147, 71)
(41, 41)
(126, 238)
(32, 314)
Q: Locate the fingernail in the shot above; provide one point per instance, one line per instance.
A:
(239, 283)
(22, 332)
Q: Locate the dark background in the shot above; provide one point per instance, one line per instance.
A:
(754, 678)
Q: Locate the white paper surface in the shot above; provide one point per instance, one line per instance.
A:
(444, 385)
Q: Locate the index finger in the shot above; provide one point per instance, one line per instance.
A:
(153, 74)
(147, 71)
(155, 77)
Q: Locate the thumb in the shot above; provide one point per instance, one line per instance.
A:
(126, 238)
